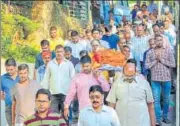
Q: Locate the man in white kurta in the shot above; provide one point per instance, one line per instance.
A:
(131, 99)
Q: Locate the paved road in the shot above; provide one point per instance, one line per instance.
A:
(3, 119)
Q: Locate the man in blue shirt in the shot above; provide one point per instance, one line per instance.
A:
(134, 12)
(46, 55)
(8, 80)
(97, 114)
(112, 39)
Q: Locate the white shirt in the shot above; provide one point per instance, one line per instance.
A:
(131, 100)
(57, 77)
(89, 117)
(77, 47)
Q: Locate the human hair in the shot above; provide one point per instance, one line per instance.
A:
(126, 24)
(132, 61)
(95, 29)
(95, 40)
(74, 33)
(45, 92)
(140, 25)
(23, 67)
(155, 25)
(88, 31)
(96, 88)
(10, 62)
(161, 24)
(58, 47)
(68, 49)
(83, 52)
(144, 5)
(158, 36)
(125, 46)
(150, 40)
(44, 42)
(53, 28)
(85, 59)
(108, 28)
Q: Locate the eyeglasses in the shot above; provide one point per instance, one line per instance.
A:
(41, 101)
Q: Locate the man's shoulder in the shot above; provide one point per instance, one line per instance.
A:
(42, 67)
(78, 76)
(104, 108)
(4, 76)
(168, 50)
(108, 109)
(29, 119)
(149, 51)
(35, 84)
(51, 62)
(55, 115)
(141, 79)
(39, 55)
(75, 59)
(85, 109)
(68, 62)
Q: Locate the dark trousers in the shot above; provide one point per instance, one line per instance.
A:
(57, 103)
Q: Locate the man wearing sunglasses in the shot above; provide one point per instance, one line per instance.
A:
(97, 114)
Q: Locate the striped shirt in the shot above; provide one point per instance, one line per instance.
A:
(52, 119)
(138, 46)
(160, 71)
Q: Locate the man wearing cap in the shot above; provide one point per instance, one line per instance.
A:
(41, 70)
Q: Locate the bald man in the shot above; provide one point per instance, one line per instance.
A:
(131, 96)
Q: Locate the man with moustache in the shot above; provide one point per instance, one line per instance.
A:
(97, 114)
(57, 78)
(131, 96)
(23, 96)
(41, 70)
(81, 83)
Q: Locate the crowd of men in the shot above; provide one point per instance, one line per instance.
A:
(66, 86)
